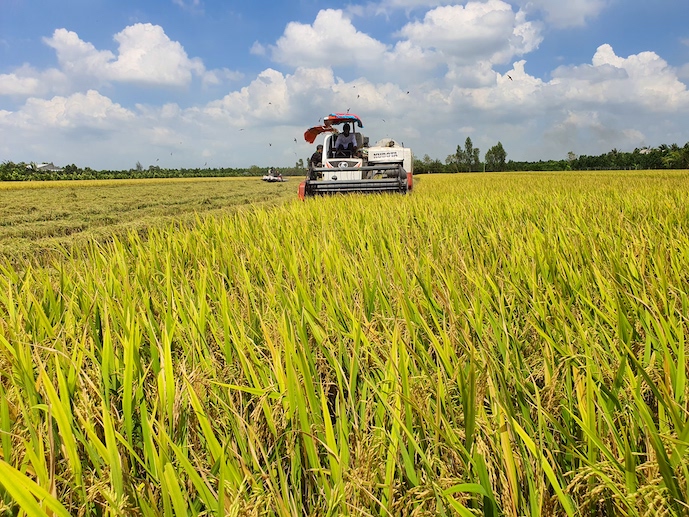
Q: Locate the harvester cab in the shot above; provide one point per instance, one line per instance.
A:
(359, 167)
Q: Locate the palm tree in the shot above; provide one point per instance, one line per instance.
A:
(677, 157)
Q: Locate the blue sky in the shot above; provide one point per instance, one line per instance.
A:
(205, 83)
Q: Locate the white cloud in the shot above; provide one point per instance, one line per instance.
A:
(83, 110)
(84, 128)
(480, 31)
(332, 40)
(257, 49)
(18, 84)
(76, 56)
(644, 81)
(462, 41)
(26, 81)
(274, 96)
(145, 55)
(641, 84)
(569, 13)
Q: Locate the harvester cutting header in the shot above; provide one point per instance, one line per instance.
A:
(349, 164)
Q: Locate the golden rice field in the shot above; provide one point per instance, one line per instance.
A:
(492, 344)
(36, 216)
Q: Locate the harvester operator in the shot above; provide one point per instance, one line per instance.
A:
(317, 157)
(346, 142)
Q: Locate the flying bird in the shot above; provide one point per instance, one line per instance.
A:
(510, 77)
(357, 95)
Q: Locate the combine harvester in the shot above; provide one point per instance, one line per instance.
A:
(383, 167)
(273, 176)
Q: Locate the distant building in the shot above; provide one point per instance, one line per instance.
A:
(47, 167)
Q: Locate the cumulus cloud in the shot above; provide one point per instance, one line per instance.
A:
(274, 96)
(332, 40)
(68, 129)
(146, 55)
(90, 110)
(27, 81)
(16, 84)
(639, 84)
(76, 56)
(643, 80)
(480, 31)
(464, 40)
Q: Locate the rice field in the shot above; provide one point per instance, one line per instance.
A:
(492, 344)
(38, 216)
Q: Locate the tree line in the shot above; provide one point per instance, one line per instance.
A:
(464, 159)
(10, 171)
(467, 159)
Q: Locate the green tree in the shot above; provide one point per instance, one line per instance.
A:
(496, 158)
(464, 160)
(471, 156)
(677, 157)
(451, 163)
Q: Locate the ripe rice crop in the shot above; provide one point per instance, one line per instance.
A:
(492, 344)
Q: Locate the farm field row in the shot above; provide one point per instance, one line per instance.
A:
(491, 344)
(36, 216)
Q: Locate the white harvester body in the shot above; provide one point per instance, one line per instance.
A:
(386, 166)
